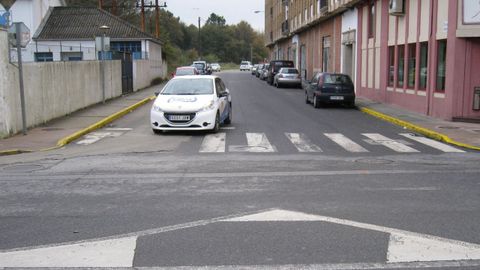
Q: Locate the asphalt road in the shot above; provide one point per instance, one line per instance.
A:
(300, 200)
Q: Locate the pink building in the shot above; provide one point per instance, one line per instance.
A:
(423, 55)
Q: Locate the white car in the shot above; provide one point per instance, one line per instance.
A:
(192, 103)
(216, 67)
(245, 65)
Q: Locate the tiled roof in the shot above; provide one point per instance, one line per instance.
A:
(83, 23)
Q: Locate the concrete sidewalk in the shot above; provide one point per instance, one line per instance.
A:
(60, 131)
(458, 133)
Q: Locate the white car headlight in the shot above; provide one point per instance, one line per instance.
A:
(209, 106)
(157, 108)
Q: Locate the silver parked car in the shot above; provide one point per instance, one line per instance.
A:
(264, 72)
(287, 76)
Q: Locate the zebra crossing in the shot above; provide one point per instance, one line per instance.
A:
(259, 143)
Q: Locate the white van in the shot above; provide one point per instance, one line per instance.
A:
(245, 65)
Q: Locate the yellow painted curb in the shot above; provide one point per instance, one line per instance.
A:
(66, 140)
(424, 131)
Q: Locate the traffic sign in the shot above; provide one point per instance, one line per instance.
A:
(24, 35)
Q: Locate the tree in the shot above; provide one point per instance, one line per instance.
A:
(215, 19)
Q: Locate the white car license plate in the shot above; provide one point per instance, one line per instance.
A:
(179, 117)
(336, 98)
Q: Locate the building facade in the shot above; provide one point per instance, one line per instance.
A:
(422, 55)
(31, 13)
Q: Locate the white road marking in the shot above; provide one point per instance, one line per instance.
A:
(257, 143)
(346, 143)
(330, 266)
(392, 144)
(302, 143)
(106, 253)
(96, 136)
(404, 246)
(432, 143)
(213, 143)
(227, 128)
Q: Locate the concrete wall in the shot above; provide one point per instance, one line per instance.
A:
(51, 89)
(144, 71)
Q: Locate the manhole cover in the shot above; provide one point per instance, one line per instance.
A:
(51, 129)
(448, 127)
(23, 168)
(374, 161)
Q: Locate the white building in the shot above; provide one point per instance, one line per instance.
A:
(31, 13)
(348, 61)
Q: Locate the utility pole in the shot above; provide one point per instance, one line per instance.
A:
(199, 40)
(100, 4)
(114, 7)
(142, 8)
(157, 20)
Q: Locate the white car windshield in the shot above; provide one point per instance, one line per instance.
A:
(189, 87)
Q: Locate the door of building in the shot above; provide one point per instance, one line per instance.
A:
(472, 80)
(303, 62)
(127, 70)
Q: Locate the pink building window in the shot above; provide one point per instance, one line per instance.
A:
(371, 19)
(412, 62)
(441, 64)
(401, 65)
(423, 72)
(391, 66)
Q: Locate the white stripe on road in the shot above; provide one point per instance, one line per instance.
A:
(404, 246)
(302, 143)
(118, 129)
(213, 143)
(432, 143)
(96, 136)
(256, 143)
(392, 144)
(346, 143)
(106, 253)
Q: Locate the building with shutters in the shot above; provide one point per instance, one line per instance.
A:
(422, 55)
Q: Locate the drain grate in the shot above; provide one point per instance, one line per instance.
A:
(374, 161)
(448, 127)
(23, 168)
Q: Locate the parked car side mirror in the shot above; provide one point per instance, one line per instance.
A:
(157, 93)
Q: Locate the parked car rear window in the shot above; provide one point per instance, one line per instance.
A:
(289, 71)
(336, 79)
(199, 66)
(189, 87)
(185, 71)
(277, 65)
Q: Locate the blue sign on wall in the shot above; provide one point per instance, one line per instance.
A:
(4, 19)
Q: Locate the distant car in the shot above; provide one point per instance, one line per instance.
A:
(330, 88)
(245, 65)
(275, 66)
(184, 71)
(201, 66)
(192, 103)
(264, 72)
(254, 69)
(259, 69)
(287, 76)
(216, 67)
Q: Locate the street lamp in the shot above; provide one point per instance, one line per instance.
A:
(258, 11)
(104, 29)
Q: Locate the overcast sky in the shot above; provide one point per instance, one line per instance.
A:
(234, 11)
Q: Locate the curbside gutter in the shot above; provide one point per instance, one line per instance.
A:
(64, 141)
(424, 131)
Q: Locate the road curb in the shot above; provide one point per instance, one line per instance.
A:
(424, 131)
(68, 139)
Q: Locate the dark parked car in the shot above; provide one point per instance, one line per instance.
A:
(275, 66)
(330, 88)
(259, 70)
